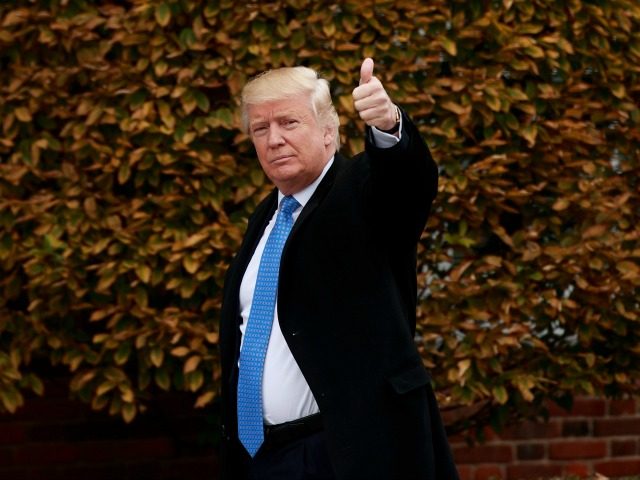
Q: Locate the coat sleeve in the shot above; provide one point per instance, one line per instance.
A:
(403, 183)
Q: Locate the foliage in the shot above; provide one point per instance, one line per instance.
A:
(125, 185)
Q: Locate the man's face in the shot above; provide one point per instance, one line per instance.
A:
(291, 146)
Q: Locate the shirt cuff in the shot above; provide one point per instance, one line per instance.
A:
(386, 140)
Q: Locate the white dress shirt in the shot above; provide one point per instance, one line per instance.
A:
(286, 394)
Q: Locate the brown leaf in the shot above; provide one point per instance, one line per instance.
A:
(594, 231)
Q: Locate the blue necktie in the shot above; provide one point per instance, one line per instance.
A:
(258, 331)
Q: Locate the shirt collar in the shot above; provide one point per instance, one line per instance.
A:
(305, 194)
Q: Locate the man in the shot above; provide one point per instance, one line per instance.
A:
(321, 378)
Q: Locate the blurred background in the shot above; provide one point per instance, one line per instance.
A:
(125, 184)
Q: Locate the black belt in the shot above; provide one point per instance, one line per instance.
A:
(276, 436)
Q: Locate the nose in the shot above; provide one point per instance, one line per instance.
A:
(275, 137)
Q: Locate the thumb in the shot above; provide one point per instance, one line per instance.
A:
(366, 71)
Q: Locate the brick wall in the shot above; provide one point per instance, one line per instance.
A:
(54, 438)
(597, 436)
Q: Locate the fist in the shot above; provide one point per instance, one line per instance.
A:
(372, 101)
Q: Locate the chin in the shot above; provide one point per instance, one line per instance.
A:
(285, 175)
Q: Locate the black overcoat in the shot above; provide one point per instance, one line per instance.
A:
(346, 305)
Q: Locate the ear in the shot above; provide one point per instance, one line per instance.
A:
(329, 134)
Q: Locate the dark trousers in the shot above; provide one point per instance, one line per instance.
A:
(303, 459)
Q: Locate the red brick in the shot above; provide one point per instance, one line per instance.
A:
(625, 406)
(576, 470)
(451, 416)
(531, 451)
(532, 471)
(465, 472)
(582, 407)
(12, 433)
(575, 428)
(201, 468)
(529, 430)
(150, 448)
(45, 454)
(470, 437)
(457, 439)
(47, 438)
(622, 448)
(574, 449)
(483, 454)
(489, 472)
(490, 434)
(616, 426)
(590, 407)
(139, 449)
(83, 472)
(619, 468)
(556, 410)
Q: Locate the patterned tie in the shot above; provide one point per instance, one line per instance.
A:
(258, 331)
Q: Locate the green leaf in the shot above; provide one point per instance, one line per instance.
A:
(122, 353)
(141, 296)
(190, 264)
(129, 411)
(449, 46)
(157, 356)
(106, 280)
(163, 14)
(194, 380)
(500, 394)
(124, 172)
(187, 38)
(11, 399)
(201, 100)
(143, 272)
(297, 39)
(162, 379)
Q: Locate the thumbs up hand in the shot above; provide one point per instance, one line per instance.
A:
(372, 101)
(366, 71)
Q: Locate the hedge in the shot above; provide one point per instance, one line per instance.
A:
(125, 184)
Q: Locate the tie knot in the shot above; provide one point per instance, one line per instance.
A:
(288, 205)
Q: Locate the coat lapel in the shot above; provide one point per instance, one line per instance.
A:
(256, 228)
(230, 315)
(318, 195)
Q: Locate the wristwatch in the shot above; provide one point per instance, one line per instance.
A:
(396, 127)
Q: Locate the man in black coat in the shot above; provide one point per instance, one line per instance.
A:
(343, 393)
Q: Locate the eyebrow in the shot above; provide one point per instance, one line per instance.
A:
(279, 116)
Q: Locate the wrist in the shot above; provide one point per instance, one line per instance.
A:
(396, 125)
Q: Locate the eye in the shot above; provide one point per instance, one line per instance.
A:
(259, 130)
(290, 123)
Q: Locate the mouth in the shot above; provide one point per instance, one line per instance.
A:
(281, 159)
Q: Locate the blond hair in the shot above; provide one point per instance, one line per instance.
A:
(283, 83)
